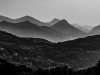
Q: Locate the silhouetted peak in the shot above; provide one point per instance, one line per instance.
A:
(63, 22)
(27, 24)
(55, 19)
(27, 16)
(4, 22)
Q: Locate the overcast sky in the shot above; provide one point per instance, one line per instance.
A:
(84, 12)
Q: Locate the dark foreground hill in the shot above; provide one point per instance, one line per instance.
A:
(12, 69)
(34, 56)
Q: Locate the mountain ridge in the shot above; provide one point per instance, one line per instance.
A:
(28, 29)
(64, 27)
(22, 19)
(54, 21)
(80, 27)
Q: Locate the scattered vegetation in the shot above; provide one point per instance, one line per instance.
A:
(34, 56)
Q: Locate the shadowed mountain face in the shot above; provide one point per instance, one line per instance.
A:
(22, 19)
(28, 29)
(80, 28)
(54, 21)
(7, 26)
(51, 31)
(64, 27)
(96, 29)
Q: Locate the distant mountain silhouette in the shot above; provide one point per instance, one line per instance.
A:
(7, 26)
(80, 27)
(22, 19)
(3, 18)
(54, 21)
(64, 27)
(28, 29)
(31, 19)
(96, 29)
(87, 27)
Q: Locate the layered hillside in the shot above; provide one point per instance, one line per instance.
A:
(22, 19)
(96, 29)
(64, 27)
(28, 29)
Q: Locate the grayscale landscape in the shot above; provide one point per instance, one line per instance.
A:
(49, 37)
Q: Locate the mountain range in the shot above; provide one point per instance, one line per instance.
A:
(28, 29)
(58, 30)
(24, 50)
(22, 19)
(64, 27)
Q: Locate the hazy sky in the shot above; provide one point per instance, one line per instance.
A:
(84, 12)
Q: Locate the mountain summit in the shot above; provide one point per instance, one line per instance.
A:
(31, 19)
(54, 21)
(64, 27)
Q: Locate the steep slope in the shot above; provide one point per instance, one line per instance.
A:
(54, 21)
(96, 29)
(64, 27)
